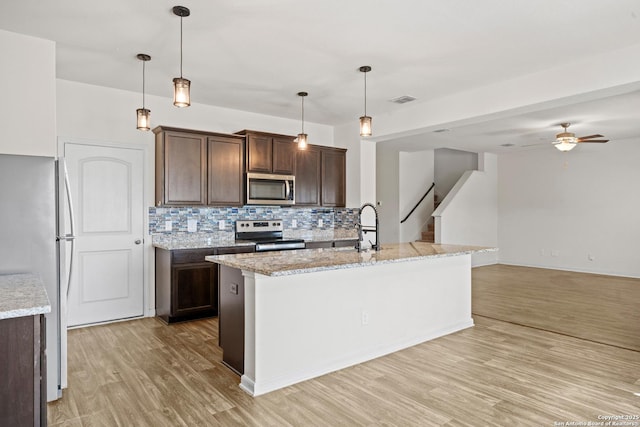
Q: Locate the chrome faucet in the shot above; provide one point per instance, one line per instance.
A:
(362, 229)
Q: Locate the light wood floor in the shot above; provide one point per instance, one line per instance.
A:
(595, 307)
(145, 373)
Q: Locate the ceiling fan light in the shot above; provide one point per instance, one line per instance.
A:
(181, 94)
(143, 118)
(365, 126)
(566, 144)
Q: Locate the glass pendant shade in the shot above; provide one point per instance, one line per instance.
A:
(144, 118)
(181, 94)
(365, 126)
(302, 141)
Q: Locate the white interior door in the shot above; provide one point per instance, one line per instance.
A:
(107, 194)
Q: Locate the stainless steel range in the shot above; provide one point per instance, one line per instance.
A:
(267, 235)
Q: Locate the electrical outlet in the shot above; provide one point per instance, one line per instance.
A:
(555, 252)
(320, 222)
(168, 226)
(221, 224)
(294, 223)
(192, 225)
(365, 318)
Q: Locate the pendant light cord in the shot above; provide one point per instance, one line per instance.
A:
(302, 113)
(143, 64)
(365, 93)
(181, 46)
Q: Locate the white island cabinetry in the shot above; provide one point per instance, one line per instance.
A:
(311, 312)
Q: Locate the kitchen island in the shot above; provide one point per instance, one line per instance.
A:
(310, 312)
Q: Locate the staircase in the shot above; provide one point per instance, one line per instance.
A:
(430, 235)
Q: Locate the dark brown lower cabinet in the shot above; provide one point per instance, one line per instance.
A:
(23, 376)
(231, 319)
(186, 284)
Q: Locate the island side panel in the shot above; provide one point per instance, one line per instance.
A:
(302, 326)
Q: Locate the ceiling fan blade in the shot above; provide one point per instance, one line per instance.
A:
(594, 140)
(597, 135)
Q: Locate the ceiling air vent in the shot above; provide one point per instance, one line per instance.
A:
(403, 99)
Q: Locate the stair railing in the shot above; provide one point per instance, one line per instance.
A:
(417, 204)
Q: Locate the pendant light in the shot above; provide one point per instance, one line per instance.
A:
(365, 121)
(302, 137)
(181, 86)
(143, 115)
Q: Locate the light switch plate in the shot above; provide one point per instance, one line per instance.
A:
(192, 225)
(168, 226)
(294, 223)
(320, 223)
(221, 224)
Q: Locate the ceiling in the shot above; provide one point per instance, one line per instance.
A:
(255, 55)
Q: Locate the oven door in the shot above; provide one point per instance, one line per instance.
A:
(267, 189)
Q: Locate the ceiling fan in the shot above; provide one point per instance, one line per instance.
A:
(565, 140)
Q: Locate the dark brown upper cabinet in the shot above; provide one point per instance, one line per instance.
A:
(307, 191)
(270, 153)
(321, 176)
(333, 177)
(198, 168)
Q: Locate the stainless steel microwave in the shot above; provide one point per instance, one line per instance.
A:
(268, 189)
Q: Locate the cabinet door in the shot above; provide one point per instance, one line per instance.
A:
(225, 166)
(185, 169)
(194, 289)
(259, 153)
(333, 178)
(307, 190)
(284, 156)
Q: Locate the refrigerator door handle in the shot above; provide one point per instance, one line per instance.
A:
(71, 236)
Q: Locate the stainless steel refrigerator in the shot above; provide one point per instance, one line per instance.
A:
(32, 203)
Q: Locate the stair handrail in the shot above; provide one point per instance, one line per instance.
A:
(433, 184)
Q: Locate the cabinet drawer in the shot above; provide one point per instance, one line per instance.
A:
(236, 250)
(188, 256)
(316, 245)
(345, 243)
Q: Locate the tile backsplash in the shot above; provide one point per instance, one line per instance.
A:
(207, 219)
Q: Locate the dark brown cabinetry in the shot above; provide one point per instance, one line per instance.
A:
(331, 244)
(225, 171)
(308, 177)
(231, 320)
(321, 176)
(23, 371)
(333, 179)
(198, 168)
(270, 153)
(186, 284)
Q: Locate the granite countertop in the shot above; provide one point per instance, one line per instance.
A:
(177, 241)
(22, 295)
(311, 260)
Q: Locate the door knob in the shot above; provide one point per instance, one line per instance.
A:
(137, 242)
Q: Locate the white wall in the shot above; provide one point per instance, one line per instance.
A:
(449, 165)
(556, 209)
(28, 107)
(416, 176)
(469, 213)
